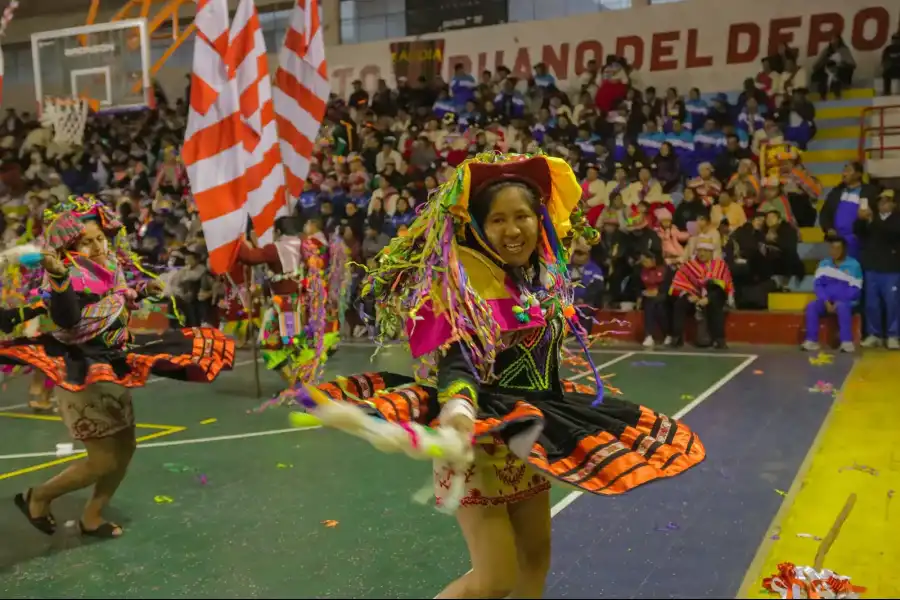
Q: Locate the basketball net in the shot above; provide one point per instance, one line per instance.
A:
(67, 117)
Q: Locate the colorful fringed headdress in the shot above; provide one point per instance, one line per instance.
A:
(423, 271)
(64, 223)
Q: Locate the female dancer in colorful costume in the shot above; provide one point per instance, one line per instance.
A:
(482, 283)
(94, 360)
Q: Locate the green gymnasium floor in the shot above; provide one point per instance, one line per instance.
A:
(245, 506)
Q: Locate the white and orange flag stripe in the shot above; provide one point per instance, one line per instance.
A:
(301, 92)
(246, 145)
(231, 148)
(213, 151)
(248, 62)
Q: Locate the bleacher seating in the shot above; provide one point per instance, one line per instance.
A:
(836, 143)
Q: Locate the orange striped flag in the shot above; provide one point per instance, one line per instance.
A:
(301, 92)
(231, 148)
(213, 151)
(248, 63)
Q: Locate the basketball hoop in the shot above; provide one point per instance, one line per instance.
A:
(67, 117)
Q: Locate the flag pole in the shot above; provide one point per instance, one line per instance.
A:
(253, 335)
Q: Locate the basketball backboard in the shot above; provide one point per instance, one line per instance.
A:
(108, 63)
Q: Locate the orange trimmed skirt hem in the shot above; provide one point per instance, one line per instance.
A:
(608, 449)
(196, 354)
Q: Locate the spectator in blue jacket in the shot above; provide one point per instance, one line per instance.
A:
(838, 287)
(879, 235)
(462, 86)
(839, 213)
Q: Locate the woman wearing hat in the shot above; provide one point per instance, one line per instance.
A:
(482, 284)
(94, 360)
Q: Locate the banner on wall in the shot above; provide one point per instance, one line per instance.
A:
(417, 59)
(710, 44)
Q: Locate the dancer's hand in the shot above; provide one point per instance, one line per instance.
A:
(461, 422)
(52, 264)
(155, 287)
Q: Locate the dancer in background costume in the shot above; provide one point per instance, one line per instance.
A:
(24, 314)
(293, 333)
(92, 357)
(482, 284)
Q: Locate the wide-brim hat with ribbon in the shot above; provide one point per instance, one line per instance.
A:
(552, 179)
(425, 264)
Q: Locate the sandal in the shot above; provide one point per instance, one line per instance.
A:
(40, 402)
(45, 524)
(40, 407)
(107, 531)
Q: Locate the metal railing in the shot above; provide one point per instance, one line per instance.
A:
(878, 132)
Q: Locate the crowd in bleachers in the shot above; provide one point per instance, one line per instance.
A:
(667, 177)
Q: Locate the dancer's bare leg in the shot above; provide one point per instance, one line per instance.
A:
(105, 408)
(103, 460)
(39, 393)
(108, 483)
(531, 525)
(490, 538)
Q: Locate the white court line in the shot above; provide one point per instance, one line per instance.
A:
(241, 436)
(157, 444)
(576, 347)
(166, 444)
(608, 363)
(673, 353)
(559, 506)
(573, 496)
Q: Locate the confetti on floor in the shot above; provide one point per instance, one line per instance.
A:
(821, 359)
(163, 500)
(809, 536)
(284, 466)
(758, 372)
(823, 387)
(208, 421)
(687, 397)
(861, 468)
(670, 526)
(177, 468)
(330, 523)
(781, 492)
